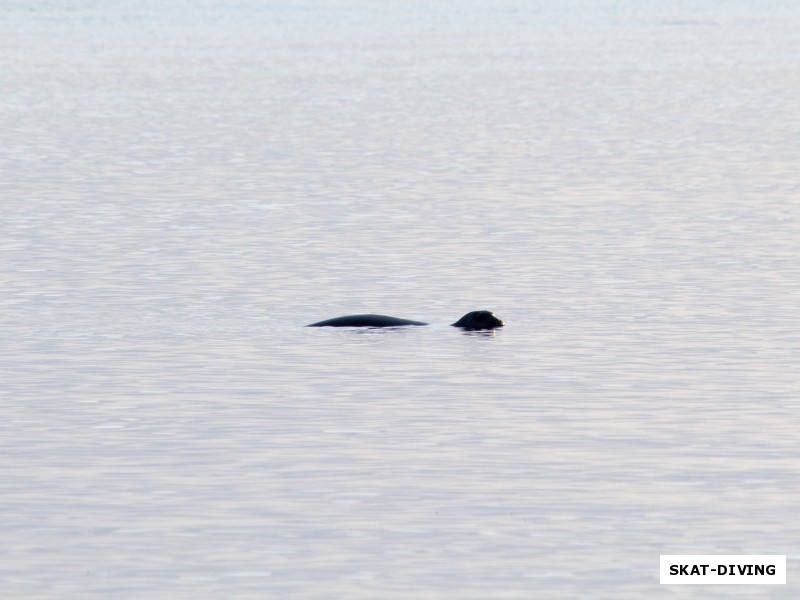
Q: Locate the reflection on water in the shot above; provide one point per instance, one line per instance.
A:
(186, 187)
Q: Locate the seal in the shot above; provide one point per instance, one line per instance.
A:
(366, 321)
(479, 319)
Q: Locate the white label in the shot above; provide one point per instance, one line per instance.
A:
(732, 569)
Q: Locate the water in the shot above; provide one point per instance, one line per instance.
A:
(184, 187)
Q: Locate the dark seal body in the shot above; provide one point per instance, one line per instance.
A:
(366, 321)
(479, 319)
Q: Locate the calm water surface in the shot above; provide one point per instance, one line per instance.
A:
(184, 187)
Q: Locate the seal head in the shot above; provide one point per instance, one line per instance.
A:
(479, 319)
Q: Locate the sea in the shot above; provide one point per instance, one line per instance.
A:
(185, 185)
